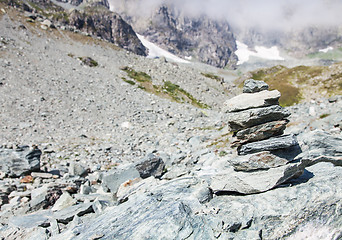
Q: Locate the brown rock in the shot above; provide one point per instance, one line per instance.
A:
(27, 179)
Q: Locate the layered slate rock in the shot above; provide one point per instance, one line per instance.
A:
(256, 115)
(282, 142)
(261, 132)
(253, 117)
(20, 161)
(266, 156)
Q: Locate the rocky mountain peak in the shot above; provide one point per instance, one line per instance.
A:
(209, 40)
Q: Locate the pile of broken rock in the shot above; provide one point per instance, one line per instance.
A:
(213, 198)
(258, 123)
(266, 157)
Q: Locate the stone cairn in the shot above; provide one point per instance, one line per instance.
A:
(258, 123)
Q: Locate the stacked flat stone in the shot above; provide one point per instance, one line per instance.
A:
(257, 119)
(266, 156)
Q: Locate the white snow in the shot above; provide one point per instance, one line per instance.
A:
(243, 53)
(155, 51)
(325, 50)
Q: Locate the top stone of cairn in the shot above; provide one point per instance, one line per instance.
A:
(253, 86)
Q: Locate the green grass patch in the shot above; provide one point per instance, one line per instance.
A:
(128, 81)
(223, 153)
(324, 115)
(180, 95)
(168, 90)
(213, 76)
(138, 76)
(88, 61)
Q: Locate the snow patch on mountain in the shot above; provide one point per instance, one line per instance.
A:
(325, 50)
(154, 51)
(244, 53)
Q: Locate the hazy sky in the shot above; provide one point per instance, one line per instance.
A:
(268, 14)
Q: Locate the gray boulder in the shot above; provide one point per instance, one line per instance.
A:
(19, 162)
(260, 132)
(253, 86)
(152, 165)
(275, 143)
(171, 210)
(252, 117)
(149, 218)
(252, 100)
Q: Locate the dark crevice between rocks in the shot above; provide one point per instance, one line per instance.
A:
(305, 177)
(230, 193)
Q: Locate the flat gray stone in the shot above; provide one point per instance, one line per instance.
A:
(252, 100)
(31, 220)
(249, 118)
(19, 162)
(258, 161)
(114, 178)
(260, 132)
(41, 174)
(253, 86)
(67, 214)
(275, 143)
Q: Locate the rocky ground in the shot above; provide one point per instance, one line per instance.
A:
(86, 155)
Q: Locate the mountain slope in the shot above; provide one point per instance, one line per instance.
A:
(93, 19)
